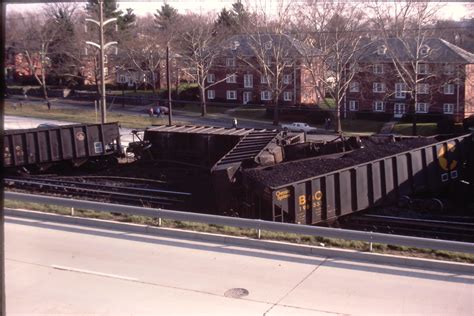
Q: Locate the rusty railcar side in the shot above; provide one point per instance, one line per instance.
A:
(53, 144)
(327, 196)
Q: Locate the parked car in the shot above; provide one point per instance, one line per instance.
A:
(298, 127)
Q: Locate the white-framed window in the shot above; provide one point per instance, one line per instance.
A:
(211, 94)
(286, 79)
(449, 69)
(231, 95)
(248, 81)
(378, 69)
(264, 79)
(106, 71)
(448, 108)
(230, 62)
(422, 88)
(231, 78)
(265, 95)
(354, 86)
(287, 96)
(421, 107)
(379, 87)
(381, 50)
(448, 89)
(379, 106)
(400, 90)
(422, 69)
(424, 50)
(211, 78)
(122, 79)
(399, 109)
(353, 105)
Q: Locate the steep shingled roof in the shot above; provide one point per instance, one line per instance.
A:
(440, 51)
(292, 46)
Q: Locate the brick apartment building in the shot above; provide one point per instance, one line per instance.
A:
(445, 81)
(238, 77)
(17, 68)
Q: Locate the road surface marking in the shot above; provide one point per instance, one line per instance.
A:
(114, 276)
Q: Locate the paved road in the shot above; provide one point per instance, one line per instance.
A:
(220, 120)
(61, 269)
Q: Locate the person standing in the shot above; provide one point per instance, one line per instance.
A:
(234, 123)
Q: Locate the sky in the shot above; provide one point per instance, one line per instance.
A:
(451, 10)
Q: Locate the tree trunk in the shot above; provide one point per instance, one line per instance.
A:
(153, 82)
(415, 100)
(203, 101)
(276, 114)
(337, 119)
(43, 84)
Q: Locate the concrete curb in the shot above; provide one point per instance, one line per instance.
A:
(427, 264)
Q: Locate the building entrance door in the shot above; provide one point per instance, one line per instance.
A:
(398, 110)
(247, 97)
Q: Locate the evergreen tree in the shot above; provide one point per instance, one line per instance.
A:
(166, 16)
(225, 19)
(124, 20)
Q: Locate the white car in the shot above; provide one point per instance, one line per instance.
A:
(298, 127)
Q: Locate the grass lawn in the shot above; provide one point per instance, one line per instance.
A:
(423, 129)
(361, 126)
(87, 116)
(251, 112)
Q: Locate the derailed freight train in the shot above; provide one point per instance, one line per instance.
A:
(49, 145)
(273, 176)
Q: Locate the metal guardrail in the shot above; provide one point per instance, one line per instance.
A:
(249, 223)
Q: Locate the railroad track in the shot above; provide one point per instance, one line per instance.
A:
(134, 191)
(460, 230)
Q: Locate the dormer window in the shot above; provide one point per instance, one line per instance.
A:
(424, 50)
(235, 45)
(381, 50)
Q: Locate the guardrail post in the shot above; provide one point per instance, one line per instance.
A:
(371, 246)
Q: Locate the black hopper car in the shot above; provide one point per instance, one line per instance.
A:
(49, 145)
(269, 175)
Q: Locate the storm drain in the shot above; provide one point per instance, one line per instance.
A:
(236, 293)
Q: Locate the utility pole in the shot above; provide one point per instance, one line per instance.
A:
(168, 83)
(101, 24)
(2, 212)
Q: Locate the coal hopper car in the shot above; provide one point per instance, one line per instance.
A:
(50, 145)
(312, 190)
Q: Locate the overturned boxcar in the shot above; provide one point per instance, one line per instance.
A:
(47, 145)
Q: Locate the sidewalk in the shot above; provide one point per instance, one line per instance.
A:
(388, 127)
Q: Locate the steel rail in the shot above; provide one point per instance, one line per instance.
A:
(249, 223)
(109, 193)
(85, 185)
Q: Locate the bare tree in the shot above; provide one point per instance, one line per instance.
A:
(35, 35)
(199, 49)
(66, 48)
(404, 31)
(272, 52)
(333, 28)
(143, 53)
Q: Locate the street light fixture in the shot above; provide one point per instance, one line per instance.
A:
(101, 46)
